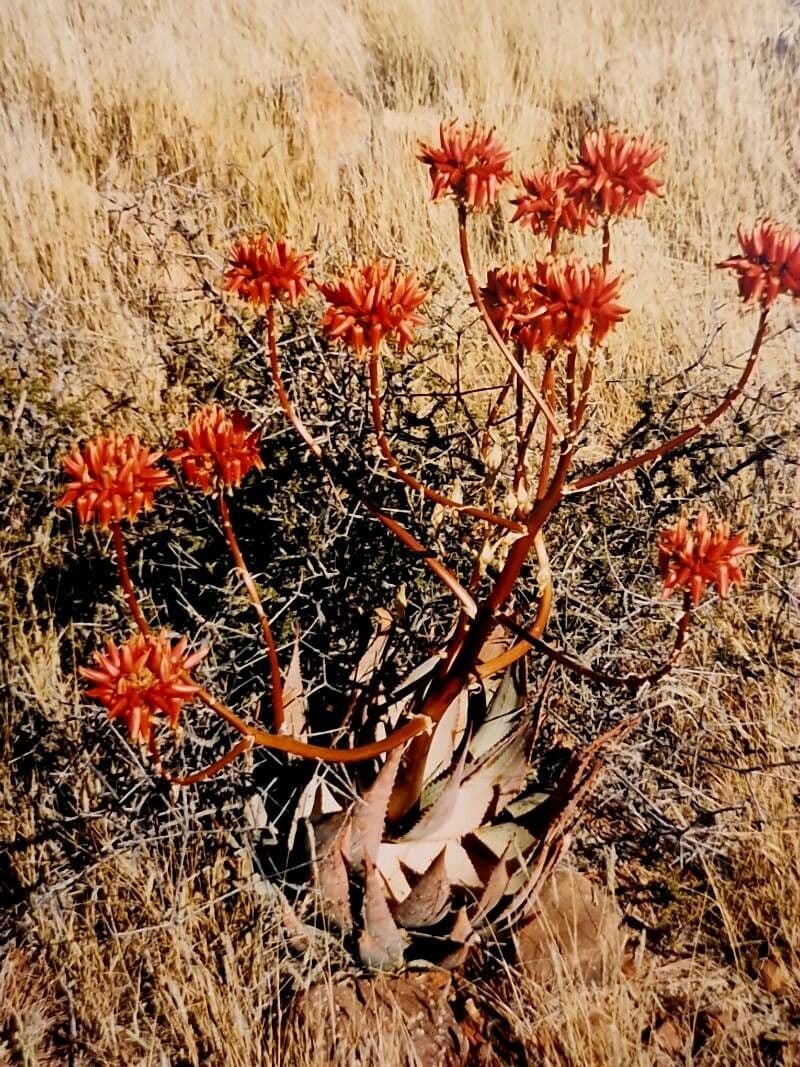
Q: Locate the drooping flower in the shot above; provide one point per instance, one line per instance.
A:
(218, 449)
(141, 677)
(769, 264)
(371, 303)
(549, 205)
(691, 559)
(112, 478)
(262, 270)
(611, 171)
(469, 164)
(551, 302)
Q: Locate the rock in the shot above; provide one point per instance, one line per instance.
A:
(670, 1037)
(338, 124)
(575, 929)
(404, 1019)
(774, 977)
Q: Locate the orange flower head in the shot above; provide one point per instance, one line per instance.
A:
(551, 302)
(691, 559)
(262, 270)
(218, 449)
(769, 264)
(611, 171)
(515, 303)
(372, 303)
(142, 677)
(112, 478)
(549, 205)
(469, 164)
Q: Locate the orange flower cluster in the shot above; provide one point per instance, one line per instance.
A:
(470, 164)
(142, 677)
(218, 449)
(770, 263)
(551, 302)
(262, 270)
(112, 478)
(370, 303)
(611, 172)
(549, 204)
(692, 559)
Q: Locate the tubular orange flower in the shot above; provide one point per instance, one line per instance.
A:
(514, 302)
(142, 677)
(551, 302)
(262, 270)
(549, 204)
(112, 478)
(770, 263)
(692, 559)
(370, 303)
(218, 450)
(470, 164)
(611, 171)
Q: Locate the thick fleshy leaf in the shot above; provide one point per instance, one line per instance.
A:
(503, 715)
(494, 890)
(369, 813)
(330, 841)
(497, 642)
(462, 936)
(429, 900)
(508, 838)
(295, 704)
(447, 736)
(412, 680)
(382, 944)
(315, 801)
(373, 654)
(418, 856)
(440, 822)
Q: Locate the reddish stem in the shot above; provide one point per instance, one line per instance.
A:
(433, 564)
(510, 358)
(629, 681)
(409, 479)
(548, 387)
(522, 648)
(125, 580)
(494, 411)
(245, 745)
(606, 242)
(294, 747)
(586, 384)
(255, 600)
(681, 439)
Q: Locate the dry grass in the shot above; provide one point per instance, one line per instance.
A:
(135, 930)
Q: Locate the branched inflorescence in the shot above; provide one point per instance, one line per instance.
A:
(548, 318)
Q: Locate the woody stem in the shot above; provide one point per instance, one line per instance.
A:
(125, 580)
(255, 599)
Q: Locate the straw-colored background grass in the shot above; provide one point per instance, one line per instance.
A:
(123, 125)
